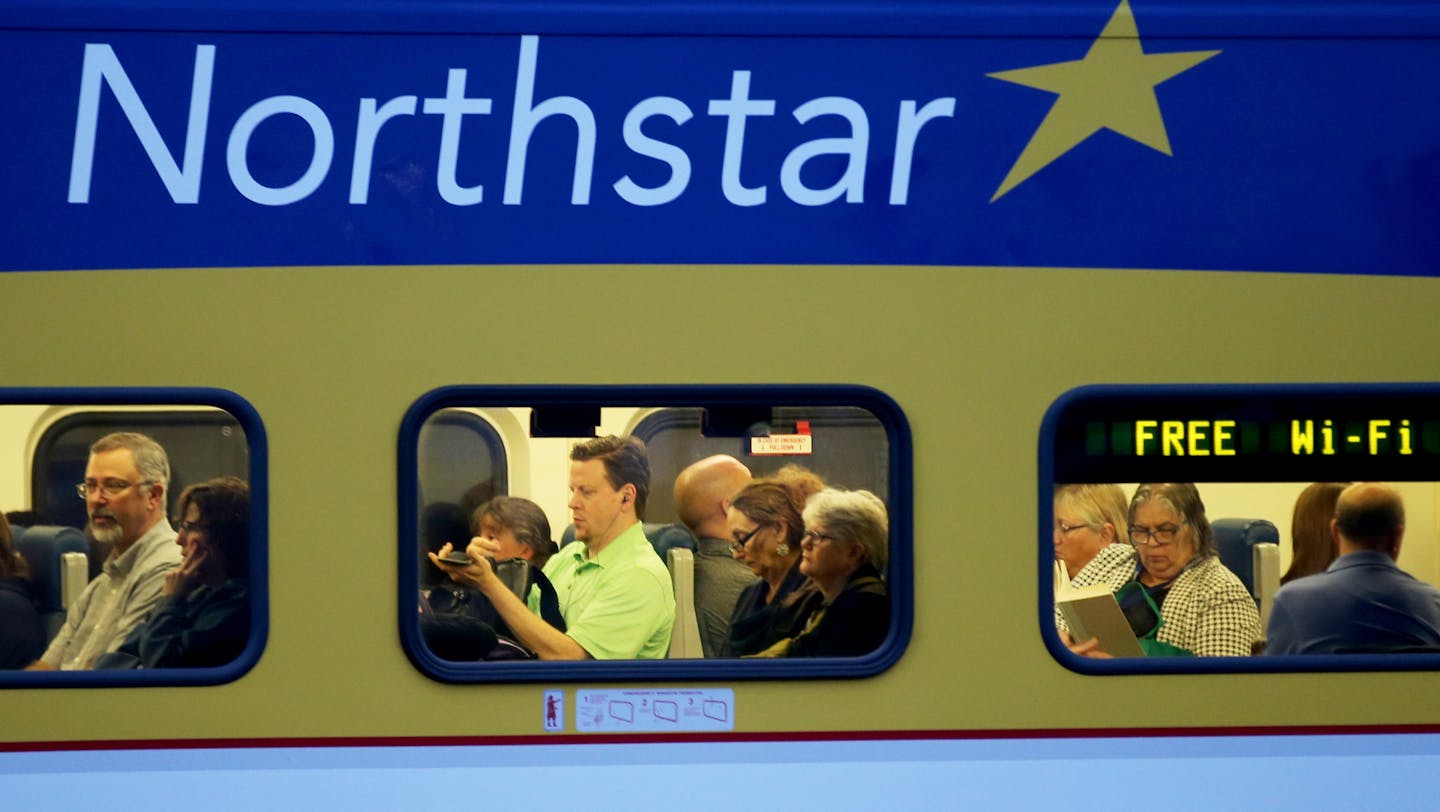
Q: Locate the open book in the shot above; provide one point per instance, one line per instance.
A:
(1091, 611)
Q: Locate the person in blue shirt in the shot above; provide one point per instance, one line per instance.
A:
(1363, 602)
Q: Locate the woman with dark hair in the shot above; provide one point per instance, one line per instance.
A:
(1312, 547)
(766, 524)
(204, 620)
(22, 636)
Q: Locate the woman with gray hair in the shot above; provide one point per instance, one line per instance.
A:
(1182, 600)
(843, 552)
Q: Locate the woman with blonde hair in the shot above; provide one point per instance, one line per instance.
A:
(1092, 531)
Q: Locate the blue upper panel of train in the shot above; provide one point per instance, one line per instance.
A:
(1293, 136)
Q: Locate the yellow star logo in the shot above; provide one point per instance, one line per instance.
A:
(1113, 87)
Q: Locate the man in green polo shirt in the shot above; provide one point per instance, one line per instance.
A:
(614, 591)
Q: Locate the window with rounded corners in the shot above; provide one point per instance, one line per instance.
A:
(1252, 454)
(852, 437)
(206, 434)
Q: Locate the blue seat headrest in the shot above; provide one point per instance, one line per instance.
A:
(42, 546)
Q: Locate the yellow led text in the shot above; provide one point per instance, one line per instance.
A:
(1185, 438)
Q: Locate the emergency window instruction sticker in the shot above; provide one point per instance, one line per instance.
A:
(801, 443)
(655, 710)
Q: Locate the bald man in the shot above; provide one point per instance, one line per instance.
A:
(702, 495)
(1363, 603)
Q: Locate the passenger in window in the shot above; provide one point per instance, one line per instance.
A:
(22, 635)
(1312, 546)
(766, 525)
(126, 480)
(614, 592)
(1092, 531)
(1092, 535)
(1363, 602)
(845, 550)
(459, 622)
(1182, 600)
(702, 498)
(204, 620)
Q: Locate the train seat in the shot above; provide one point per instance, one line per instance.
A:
(59, 567)
(1250, 548)
(685, 636)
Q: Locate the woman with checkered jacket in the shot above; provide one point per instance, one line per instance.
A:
(1204, 609)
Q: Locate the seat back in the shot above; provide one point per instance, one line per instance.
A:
(1236, 541)
(685, 635)
(59, 567)
(667, 537)
(1267, 578)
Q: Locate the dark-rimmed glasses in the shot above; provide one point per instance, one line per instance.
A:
(1159, 536)
(739, 544)
(110, 487)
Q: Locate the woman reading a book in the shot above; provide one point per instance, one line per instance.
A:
(1090, 520)
(1182, 600)
(1092, 539)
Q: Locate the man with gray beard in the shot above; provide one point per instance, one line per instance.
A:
(124, 490)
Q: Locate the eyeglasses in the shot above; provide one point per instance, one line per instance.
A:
(1066, 529)
(110, 487)
(739, 544)
(1161, 536)
(190, 527)
(815, 538)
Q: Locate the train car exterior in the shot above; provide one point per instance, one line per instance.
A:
(332, 211)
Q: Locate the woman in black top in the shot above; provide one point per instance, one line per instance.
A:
(844, 551)
(765, 523)
(22, 636)
(204, 619)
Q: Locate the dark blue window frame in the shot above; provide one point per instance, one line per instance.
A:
(249, 421)
(1063, 459)
(582, 400)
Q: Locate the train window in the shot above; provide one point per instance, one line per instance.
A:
(462, 459)
(191, 609)
(1169, 516)
(630, 584)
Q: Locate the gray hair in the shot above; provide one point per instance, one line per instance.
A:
(1184, 499)
(150, 458)
(854, 517)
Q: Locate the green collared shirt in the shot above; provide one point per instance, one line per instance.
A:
(618, 605)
